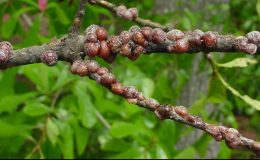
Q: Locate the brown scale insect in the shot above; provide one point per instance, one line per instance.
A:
(175, 35)
(104, 50)
(107, 79)
(125, 50)
(231, 134)
(134, 29)
(147, 33)
(6, 47)
(152, 103)
(163, 111)
(92, 66)
(214, 131)
(254, 37)
(209, 39)
(128, 15)
(6, 50)
(251, 48)
(101, 33)
(117, 88)
(91, 37)
(74, 66)
(137, 52)
(138, 38)
(256, 145)
(91, 49)
(140, 96)
(114, 43)
(3, 57)
(130, 92)
(134, 12)
(131, 100)
(102, 70)
(195, 38)
(111, 58)
(190, 118)
(158, 36)
(125, 37)
(120, 10)
(241, 44)
(82, 69)
(181, 111)
(49, 58)
(79, 67)
(181, 46)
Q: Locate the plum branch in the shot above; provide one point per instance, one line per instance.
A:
(81, 49)
(180, 114)
(74, 29)
(128, 14)
(95, 42)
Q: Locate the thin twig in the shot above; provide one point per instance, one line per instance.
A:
(55, 98)
(102, 119)
(190, 43)
(231, 136)
(144, 22)
(27, 19)
(74, 29)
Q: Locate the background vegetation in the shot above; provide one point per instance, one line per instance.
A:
(49, 113)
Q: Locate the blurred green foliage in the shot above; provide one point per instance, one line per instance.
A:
(50, 113)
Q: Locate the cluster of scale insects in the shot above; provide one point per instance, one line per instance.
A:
(137, 40)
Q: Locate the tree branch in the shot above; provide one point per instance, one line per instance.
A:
(131, 44)
(134, 42)
(180, 114)
(74, 29)
(128, 14)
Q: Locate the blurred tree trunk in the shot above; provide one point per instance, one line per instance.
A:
(199, 79)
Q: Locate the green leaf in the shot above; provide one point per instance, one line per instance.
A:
(34, 31)
(40, 80)
(8, 130)
(186, 23)
(224, 151)
(9, 26)
(86, 110)
(122, 129)
(187, 153)
(115, 145)
(203, 142)
(52, 131)
(252, 102)
(39, 75)
(81, 136)
(147, 87)
(9, 103)
(62, 17)
(171, 129)
(160, 152)
(7, 82)
(94, 89)
(107, 106)
(30, 2)
(258, 8)
(66, 142)
(36, 109)
(217, 91)
(63, 79)
(198, 106)
(134, 152)
(239, 62)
